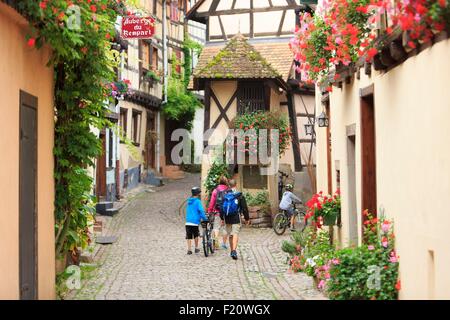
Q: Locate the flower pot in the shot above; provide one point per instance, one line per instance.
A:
(329, 221)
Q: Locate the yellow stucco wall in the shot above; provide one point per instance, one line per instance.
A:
(412, 112)
(224, 90)
(24, 68)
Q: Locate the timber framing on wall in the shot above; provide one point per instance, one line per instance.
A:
(295, 140)
(207, 104)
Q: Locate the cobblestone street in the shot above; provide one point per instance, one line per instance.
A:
(149, 261)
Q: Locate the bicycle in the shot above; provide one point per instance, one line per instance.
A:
(207, 239)
(282, 220)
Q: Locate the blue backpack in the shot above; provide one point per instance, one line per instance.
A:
(230, 203)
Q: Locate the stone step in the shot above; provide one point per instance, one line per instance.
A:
(101, 207)
(111, 212)
(261, 220)
(175, 175)
(154, 180)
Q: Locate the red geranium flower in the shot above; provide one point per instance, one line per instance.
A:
(31, 42)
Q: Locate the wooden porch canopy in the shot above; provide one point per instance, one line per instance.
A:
(239, 60)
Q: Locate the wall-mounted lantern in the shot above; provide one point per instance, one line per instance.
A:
(309, 129)
(323, 120)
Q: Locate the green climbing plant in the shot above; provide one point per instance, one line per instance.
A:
(181, 103)
(79, 34)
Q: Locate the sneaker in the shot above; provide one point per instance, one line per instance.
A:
(233, 254)
(224, 246)
(197, 250)
(189, 252)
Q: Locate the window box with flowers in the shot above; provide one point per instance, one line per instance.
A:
(252, 123)
(152, 77)
(342, 32)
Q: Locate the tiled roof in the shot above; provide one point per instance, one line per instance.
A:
(237, 60)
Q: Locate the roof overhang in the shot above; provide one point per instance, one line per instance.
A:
(200, 83)
(192, 13)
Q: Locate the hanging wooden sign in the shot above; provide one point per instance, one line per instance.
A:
(138, 27)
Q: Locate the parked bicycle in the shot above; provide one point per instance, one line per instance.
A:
(207, 239)
(282, 220)
(281, 183)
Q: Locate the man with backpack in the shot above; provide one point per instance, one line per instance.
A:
(233, 205)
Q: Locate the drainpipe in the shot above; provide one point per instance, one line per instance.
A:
(165, 68)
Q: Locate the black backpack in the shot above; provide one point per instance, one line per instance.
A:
(219, 199)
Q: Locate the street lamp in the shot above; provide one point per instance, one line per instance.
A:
(309, 128)
(323, 120)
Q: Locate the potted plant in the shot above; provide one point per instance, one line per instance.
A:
(259, 208)
(151, 77)
(120, 88)
(323, 209)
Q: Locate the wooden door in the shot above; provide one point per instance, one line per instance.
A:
(27, 197)
(101, 170)
(171, 125)
(150, 142)
(368, 155)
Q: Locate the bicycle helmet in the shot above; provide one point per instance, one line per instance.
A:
(196, 191)
(289, 187)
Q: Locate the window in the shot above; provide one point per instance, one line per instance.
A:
(145, 55)
(252, 178)
(251, 97)
(174, 13)
(154, 58)
(123, 122)
(136, 126)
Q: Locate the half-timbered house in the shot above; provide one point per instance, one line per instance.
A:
(258, 71)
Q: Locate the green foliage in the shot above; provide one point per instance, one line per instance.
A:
(369, 271)
(190, 48)
(181, 103)
(84, 66)
(265, 120)
(214, 173)
(259, 199)
(151, 75)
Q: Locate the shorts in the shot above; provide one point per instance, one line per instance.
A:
(217, 226)
(289, 212)
(233, 229)
(192, 232)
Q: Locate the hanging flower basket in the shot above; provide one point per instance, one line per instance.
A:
(324, 209)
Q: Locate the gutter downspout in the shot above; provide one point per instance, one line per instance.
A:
(165, 69)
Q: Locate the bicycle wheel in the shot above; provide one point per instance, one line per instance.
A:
(300, 223)
(210, 241)
(205, 241)
(280, 223)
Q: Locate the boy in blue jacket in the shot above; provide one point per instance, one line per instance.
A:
(194, 215)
